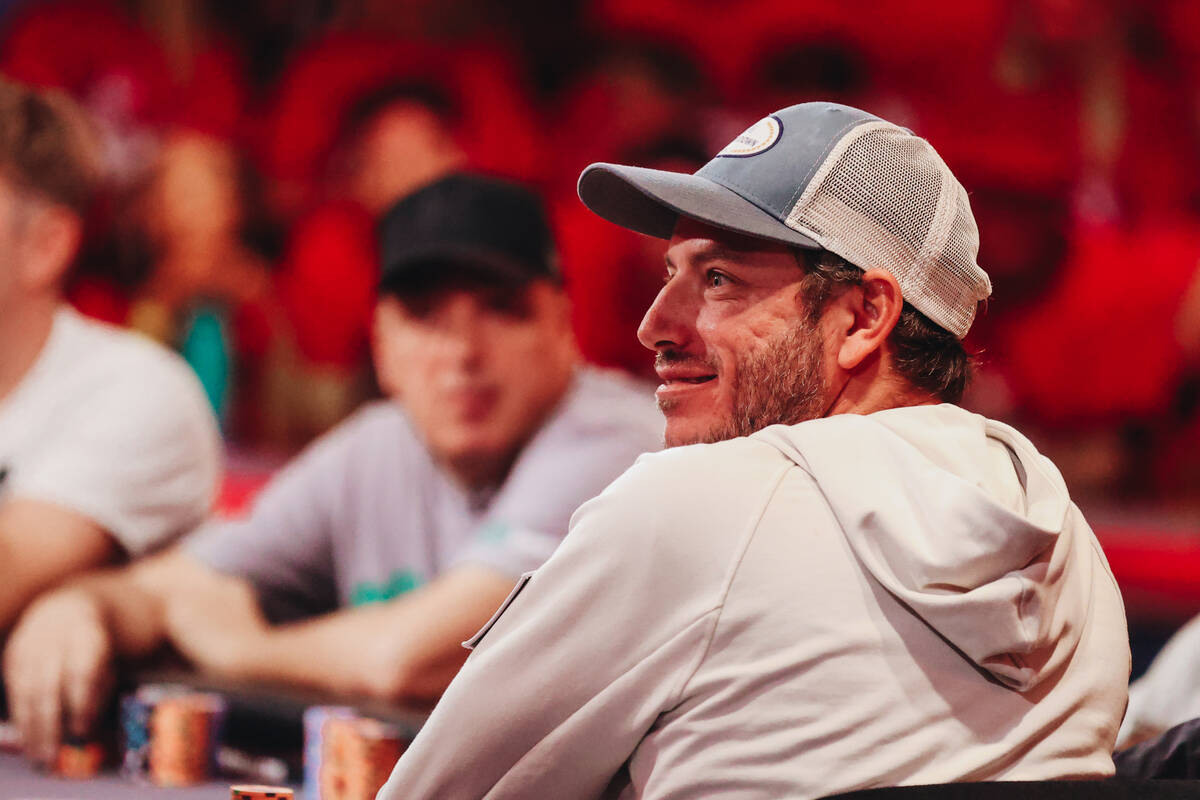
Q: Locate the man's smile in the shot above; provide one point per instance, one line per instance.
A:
(679, 380)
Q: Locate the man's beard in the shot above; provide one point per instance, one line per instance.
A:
(781, 383)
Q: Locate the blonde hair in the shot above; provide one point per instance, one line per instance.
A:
(48, 145)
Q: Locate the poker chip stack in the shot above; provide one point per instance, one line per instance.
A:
(260, 793)
(136, 709)
(184, 731)
(348, 757)
(170, 734)
(314, 744)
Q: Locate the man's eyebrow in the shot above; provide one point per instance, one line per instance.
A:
(713, 252)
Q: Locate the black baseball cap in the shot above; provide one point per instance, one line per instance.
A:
(466, 225)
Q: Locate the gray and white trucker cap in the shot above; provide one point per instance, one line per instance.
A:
(822, 176)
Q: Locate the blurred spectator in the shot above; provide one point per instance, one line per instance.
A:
(495, 124)
(395, 140)
(169, 98)
(634, 95)
(107, 449)
(206, 291)
(133, 81)
(414, 517)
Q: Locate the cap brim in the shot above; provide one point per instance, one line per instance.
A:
(446, 263)
(651, 201)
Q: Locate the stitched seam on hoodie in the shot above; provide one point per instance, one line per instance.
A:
(1026, 591)
(727, 583)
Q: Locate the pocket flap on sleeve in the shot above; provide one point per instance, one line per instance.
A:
(471, 643)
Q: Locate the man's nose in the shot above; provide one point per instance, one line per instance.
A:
(670, 320)
(463, 330)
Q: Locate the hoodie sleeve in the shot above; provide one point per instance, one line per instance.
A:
(603, 638)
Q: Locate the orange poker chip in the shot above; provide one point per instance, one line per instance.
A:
(79, 761)
(260, 793)
(183, 731)
(358, 755)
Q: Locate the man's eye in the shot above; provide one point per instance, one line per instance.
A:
(716, 279)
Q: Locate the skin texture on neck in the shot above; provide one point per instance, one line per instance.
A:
(874, 386)
(24, 331)
(856, 325)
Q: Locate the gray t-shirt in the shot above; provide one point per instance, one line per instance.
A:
(364, 514)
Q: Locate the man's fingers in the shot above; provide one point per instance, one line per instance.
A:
(23, 697)
(83, 692)
(48, 709)
(20, 706)
(39, 708)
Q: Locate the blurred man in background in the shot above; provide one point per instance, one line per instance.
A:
(107, 446)
(395, 536)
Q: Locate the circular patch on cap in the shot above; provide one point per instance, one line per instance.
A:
(758, 138)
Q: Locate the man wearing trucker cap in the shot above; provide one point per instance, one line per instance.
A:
(837, 578)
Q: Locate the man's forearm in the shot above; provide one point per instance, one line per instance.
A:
(341, 652)
(408, 649)
(41, 546)
(132, 600)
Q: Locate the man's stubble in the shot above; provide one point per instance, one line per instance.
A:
(781, 383)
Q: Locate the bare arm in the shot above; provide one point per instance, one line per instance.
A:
(406, 649)
(40, 545)
(58, 662)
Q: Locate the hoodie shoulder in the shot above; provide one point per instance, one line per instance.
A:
(683, 511)
(693, 478)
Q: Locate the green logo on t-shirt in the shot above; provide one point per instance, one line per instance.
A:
(493, 532)
(401, 581)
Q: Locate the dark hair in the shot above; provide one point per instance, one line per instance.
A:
(371, 104)
(47, 146)
(927, 355)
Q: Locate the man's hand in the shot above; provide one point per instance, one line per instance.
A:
(218, 625)
(57, 666)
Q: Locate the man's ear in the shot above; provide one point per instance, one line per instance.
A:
(48, 246)
(870, 311)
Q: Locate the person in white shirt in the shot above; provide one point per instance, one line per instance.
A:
(107, 445)
(835, 578)
(108, 448)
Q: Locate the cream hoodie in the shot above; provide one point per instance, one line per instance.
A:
(900, 598)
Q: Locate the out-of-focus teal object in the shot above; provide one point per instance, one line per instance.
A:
(205, 346)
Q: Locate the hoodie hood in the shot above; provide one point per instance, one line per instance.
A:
(962, 520)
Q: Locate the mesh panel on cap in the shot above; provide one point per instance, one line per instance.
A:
(884, 198)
